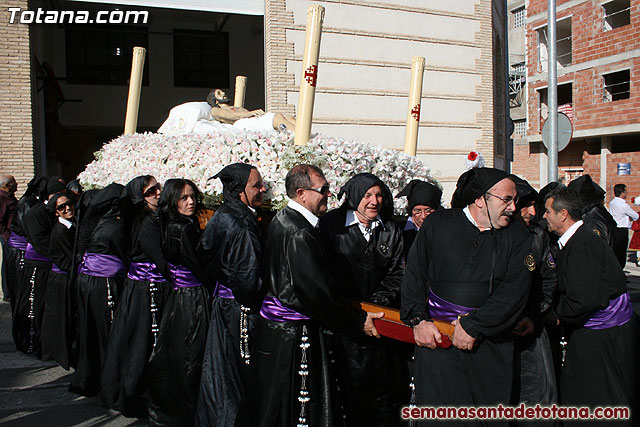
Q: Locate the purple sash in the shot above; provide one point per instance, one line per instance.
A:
(101, 265)
(56, 269)
(145, 272)
(272, 309)
(617, 313)
(32, 255)
(444, 310)
(223, 292)
(18, 242)
(183, 277)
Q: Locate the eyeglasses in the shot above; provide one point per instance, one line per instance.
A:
(62, 207)
(324, 190)
(425, 211)
(152, 190)
(507, 199)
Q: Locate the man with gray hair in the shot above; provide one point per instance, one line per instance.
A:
(8, 202)
(291, 380)
(593, 303)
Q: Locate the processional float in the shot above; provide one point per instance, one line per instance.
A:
(390, 325)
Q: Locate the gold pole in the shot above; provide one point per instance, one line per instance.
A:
(413, 114)
(241, 86)
(135, 83)
(309, 77)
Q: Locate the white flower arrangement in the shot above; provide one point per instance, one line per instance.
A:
(199, 157)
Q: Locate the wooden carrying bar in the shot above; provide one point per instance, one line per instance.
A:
(392, 327)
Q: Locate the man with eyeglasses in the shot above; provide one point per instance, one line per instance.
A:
(423, 199)
(291, 382)
(473, 266)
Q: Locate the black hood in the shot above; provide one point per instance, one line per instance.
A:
(357, 187)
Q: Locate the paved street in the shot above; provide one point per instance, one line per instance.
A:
(34, 393)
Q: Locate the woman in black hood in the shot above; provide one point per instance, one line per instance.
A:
(137, 318)
(17, 243)
(365, 250)
(56, 336)
(102, 244)
(29, 308)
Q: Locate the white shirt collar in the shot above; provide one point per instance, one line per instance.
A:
(467, 212)
(352, 219)
(562, 241)
(65, 222)
(313, 220)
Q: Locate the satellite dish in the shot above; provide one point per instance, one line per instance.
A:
(565, 132)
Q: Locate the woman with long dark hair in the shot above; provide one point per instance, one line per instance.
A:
(176, 363)
(136, 322)
(100, 277)
(55, 323)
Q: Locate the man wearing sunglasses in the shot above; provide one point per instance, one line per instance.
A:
(469, 266)
(290, 362)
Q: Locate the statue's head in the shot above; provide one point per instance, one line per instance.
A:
(217, 97)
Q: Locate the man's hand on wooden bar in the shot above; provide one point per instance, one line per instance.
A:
(369, 328)
(426, 334)
(461, 339)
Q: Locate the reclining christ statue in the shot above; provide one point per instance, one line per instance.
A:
(216, 115)
(240, 117)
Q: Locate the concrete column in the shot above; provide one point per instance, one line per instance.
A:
(605, 150)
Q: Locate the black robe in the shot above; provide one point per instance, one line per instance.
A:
(457, 261)
(408, 236)
(372, 373)
(56, 341)
(131, 339)
(14, 256)
(230, 250)
(97, 301)
(601, 365)
(31, 293)
(295, 272)
(599, 220)
(176, 363)
(535, 373)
